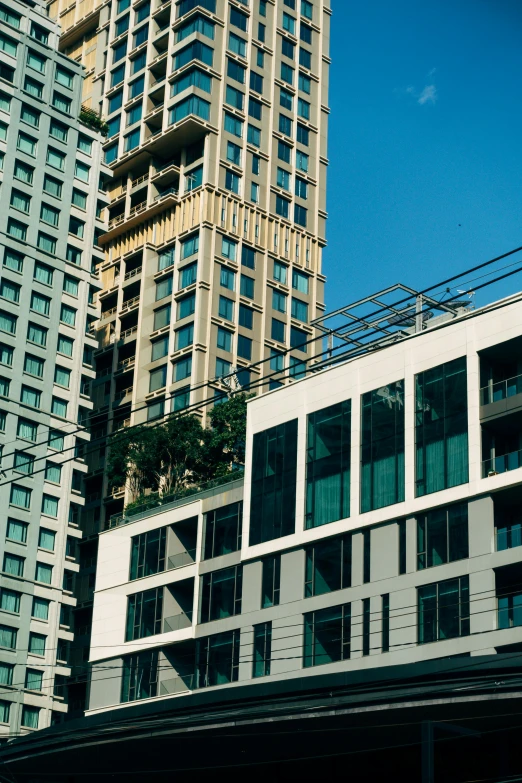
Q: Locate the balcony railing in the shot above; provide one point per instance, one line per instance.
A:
(123, 393)
(125, 363)
(168, 192)
(130, 302)
(132, 273)
(128, 332)
(176, 685)
(181, 559)
(512, 461)
(138, 208)
(501, 390)
(509, 536)
(139, 180)
(177, 622)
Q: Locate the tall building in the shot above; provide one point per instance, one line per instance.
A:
(50, 218)
(217, 124)
(378, 528)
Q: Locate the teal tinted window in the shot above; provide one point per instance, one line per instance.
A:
(442, 536)
(217, 659)
(144, 614)
(328, 465)
(382, 447)
(327, 635)
(443, 610)
(139, 676)
(328, 566)
(274, 459)
(148, 553)
(441, 427)
(262, 650)
(223, 530)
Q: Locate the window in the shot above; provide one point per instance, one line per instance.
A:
(4, 387)
(134, 114)
(237, 45)
(50, 215)
(194, 51)
(328, 465)
(138, 63)
(13, 565)
(139, 676)
(52, 186)
(305, 58)
(10, 17)
(301, 191)
(256, 161)
(183, 368)
(238, 19)
(164, 288)
(299, 310)
(282, 206)
(289, 23)
(136, 87)
(46, 243)
(193, 179)
(44, 573)
(254, 192)
(300, 215)
(6, 355)
(59, 407)
(6, 673)
(272, 512)
(33, 680)
(305, 83)
(283, 179)
(256, 82)
(307, 9)
(30, 397)
(148, 553)
(50, 506)
(62, 376)
(287, 73)
(246, 317)
(13, 260)
(10, 291)
(248, 257)
(278, 330)
(30, 717)
(3, 419)
(328, 566)
(191, 105)
(301, 161)
(26, 430)
(33, 87)
(217, 659)
(221, 594)
(303, 110)
(186, 306)
(279, 301)
(382, 447)
(247, 286)
(441, 427)
(284, 152)
(443, 610)
(232, 181)
(8, 637)
(253, 135)
(223, 531)
(244, 347)
(23, 462)
(287, 48)
(37, 643)
(140, 36)
(81, 171)
(188, 275)
(184, 337)
(261, 30)
(55, 158)
(233, 125)
(16, 531)
(224, 339)
(226, 308)
(303, 135)
(67, 315)
(255, 109)
(234, 97)
(8, 45)
(227, 278)
(285, 125)
(10, 601)
(327, 635)
(262, 650)
(61, 102)
(277, 360)
(222, 368)
(79, 199)
(37, 335)
(7, 73)
(233, 153)
(144, 614)
(196, 24)
(16, 229)
(191, 78)
(299, 339)
(442, 536)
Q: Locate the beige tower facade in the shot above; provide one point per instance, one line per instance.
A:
(217, 115)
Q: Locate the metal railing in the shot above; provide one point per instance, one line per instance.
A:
(123, 393)
(115, 220)
(130, 302)
(168, 192)
(128, 332)
(177, 622)
(107, 313)
(502, 464)
(501, 390)
(123, 519)
(139, 180)
(132, 273)
(176, 685)
(508, 536)
(126, 362)
(181, 559)
(138, 208)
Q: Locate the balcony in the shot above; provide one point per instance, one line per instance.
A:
(133, 273)
(502, 464)
(177, 622)
(130, 303)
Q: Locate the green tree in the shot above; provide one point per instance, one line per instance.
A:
(225, 439)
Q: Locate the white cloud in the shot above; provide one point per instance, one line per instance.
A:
(428, 95)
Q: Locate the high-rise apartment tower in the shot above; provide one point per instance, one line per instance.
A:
(50, 216)
(217, 125)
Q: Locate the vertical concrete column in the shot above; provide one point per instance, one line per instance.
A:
(357, 629)
(252, 578)
(357, 559)
(292, 576)
(481, 526)
(483, 602)
(376, 625)
(403, 621)
(411, 545)
(287, 644)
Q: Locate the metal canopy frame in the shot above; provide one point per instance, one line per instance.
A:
(373, 322)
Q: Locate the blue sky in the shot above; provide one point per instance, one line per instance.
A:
(425, 134)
